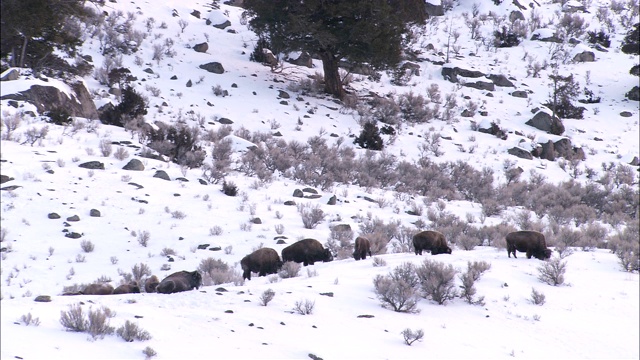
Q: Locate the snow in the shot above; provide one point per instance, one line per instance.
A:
(594, 315)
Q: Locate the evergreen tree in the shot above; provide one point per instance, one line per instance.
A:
(31, 29)
(360, 31)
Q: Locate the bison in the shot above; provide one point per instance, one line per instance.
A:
(531, 242)
(262, 261)
(97, 289)
(362, 248)
(432, 241)
(180, 281)
(151, 284)
(130, 288)
(306, 251)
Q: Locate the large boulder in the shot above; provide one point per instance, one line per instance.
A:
(201, 48)
(520, 152)
(545, 121)
(451, 73)
(434, 9)
(213, 67)
(74, 98)
(634, 94)
(303, 60)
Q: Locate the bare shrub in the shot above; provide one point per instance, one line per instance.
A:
(289, 269)
(98, 321)
(410, 336)
(87, 246)
(378, 243)
(177, 214)
(130, 332)
(114, 260)
(229, 188)
(28, 320)
(311, 215)
(143, 238)
(139, 271)
(215, 231)
(552, 271)
(437, 281)
(626, 246)
(304, 307)
(378, 261)
(167, 252)
(473, 273)
(267, 296)
(537, 297)
(210, 264)
(467, 242)
(74, 319)
(149, 352)
(279, 228)
(105, 147)
(121, 153)
(398, 289)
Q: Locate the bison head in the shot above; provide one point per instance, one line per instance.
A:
(196, 279)
(328, 256)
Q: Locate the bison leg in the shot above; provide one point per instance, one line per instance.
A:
(528, 254)
(247, 275)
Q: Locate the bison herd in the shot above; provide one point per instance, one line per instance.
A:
(265, 261)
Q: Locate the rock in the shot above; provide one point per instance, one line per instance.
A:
(225, 121)
(434, 9)
(585, 56)
(467, 113)
(516, 15)
(201, 48)
(500, 80)
(283, 94)
(548, 152)
(134, 165)
(626, 114)
(452, 73)
(10, 75)
(298, 193)
(42, 298)
(411, 68)
(47, 98)
(545, 38)
(290, 203)
(633, 94)
(93, 165)
(196, 14)
(174, 77)
(520, 94)
(94, 213)
(5, 178)
(213, 67)
(303, 60)
(310, 190)
(332, 200)
(148, 71)
(521, 153)
(161, 174)
(635, 161)
(53, 216)
(73, 218)
(222, 25)
(481, 85)
(73, 235)
(544, 121)
(189, 83)
(256, 221)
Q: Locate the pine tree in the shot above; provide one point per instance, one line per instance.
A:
(360, 31)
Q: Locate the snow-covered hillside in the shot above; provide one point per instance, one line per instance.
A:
(178, 224)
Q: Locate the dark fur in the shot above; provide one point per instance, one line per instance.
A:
(131, 288)
(432, 241)
(306, 251)
(180, 281)
(531, 242)
(151, 284)
(98, 289)
(263, 261)
(362, 248)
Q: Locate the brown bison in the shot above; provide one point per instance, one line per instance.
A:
(97, 289)
(262, 261)
(306, 251)
(130, 288)
(531, 242)
(151, 284)
(362, 248)
(432, 241)
(180, 281)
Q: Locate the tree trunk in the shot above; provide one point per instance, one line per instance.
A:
(23, 52)
(332, 82)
